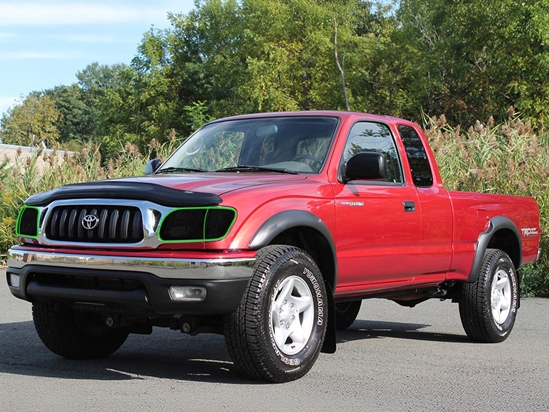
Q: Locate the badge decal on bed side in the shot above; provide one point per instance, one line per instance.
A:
(529, 231)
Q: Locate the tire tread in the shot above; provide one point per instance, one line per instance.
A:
(60, 333)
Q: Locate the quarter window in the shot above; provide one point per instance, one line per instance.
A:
(417, 157)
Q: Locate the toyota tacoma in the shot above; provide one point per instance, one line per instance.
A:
(269, 229)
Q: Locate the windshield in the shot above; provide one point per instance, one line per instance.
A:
(286, 144)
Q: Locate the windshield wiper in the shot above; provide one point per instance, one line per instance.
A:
(244, 168)
(180, 169)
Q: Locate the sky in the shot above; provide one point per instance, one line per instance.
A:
(44, 43)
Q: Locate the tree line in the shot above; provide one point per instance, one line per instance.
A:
(468, 60)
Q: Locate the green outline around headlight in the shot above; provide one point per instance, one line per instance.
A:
(203, 239)
(18, 223)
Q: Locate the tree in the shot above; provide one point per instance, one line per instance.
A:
(78, 121)
(239, 57)
(480, 58)
(380, 70)
(31, 122)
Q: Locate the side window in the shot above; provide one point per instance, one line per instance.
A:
(417, 157)
(375, 137)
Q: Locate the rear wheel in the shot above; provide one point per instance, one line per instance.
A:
(346, 313)
(74, 334)
(277, 331)
(488, 307)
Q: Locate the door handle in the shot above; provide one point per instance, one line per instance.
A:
(409, 206)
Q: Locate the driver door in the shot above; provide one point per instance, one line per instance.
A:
(378, 222)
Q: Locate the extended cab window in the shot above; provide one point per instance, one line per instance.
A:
(417, 157)
(375, 137)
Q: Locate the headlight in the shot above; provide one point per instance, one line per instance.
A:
(28, 222)
(200, 224)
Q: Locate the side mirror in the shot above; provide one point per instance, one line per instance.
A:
(152, 166)
(365, 166)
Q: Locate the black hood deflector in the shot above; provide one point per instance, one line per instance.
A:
(107, 189)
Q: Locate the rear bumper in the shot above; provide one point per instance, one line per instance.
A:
(136, 284)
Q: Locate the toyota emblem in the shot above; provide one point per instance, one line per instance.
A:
(90, 222)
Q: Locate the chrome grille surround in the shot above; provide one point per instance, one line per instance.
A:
(151, 214)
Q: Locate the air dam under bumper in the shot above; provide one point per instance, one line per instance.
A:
(138, 284)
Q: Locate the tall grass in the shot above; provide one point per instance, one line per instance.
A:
(508, 159)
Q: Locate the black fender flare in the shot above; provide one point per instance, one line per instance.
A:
(288, 219)
(496, 223)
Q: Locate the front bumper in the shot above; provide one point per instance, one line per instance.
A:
(132, 283)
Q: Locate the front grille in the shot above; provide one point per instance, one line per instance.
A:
(95, 224)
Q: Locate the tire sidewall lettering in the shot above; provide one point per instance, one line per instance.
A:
(318, 294)
(294, 267)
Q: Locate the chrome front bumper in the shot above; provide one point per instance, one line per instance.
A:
(47, 275)
(206, 269)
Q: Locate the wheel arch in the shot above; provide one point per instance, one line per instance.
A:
(304, 230)
(501, 234)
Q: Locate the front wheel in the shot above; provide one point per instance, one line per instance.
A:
(277, 331)
(488, 307)
(74, 334)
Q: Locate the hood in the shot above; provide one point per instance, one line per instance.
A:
(172, 190)
(219, 183)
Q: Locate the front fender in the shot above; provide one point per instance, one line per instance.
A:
(280, 222)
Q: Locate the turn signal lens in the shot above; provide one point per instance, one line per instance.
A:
(14, 280)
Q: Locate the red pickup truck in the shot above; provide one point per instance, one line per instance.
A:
(269, 229)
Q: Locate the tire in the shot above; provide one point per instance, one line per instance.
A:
(488, 307)
(346, 313)
(75, 335)
(277, 331)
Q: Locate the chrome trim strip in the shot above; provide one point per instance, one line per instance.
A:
(214, 269)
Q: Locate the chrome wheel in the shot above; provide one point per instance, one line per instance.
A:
(292, 314)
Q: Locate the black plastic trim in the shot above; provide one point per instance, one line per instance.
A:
(223, 296)
(496, 223)
(286, 220)
(283, 221)
(114, 189)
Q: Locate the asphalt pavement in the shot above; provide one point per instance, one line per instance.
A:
(391, 359)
